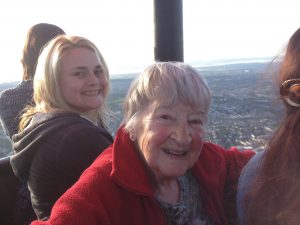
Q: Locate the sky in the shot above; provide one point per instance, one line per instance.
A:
(123, 30)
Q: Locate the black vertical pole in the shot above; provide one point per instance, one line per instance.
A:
(168, 30)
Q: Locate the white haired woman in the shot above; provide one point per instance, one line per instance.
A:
(159, 170)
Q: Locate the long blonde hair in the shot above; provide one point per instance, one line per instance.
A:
(47, 95)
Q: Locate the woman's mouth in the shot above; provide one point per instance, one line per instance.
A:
(177, 153)
(92, 92)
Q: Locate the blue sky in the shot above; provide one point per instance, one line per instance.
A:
(123, 29)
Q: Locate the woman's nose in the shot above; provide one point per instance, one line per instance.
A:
(182, 133)
(93, 79)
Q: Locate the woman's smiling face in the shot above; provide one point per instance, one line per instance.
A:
(82, 82)
(170, 138)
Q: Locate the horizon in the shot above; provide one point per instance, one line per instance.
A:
(129, 74)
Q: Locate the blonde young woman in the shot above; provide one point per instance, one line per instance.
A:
(67, 128)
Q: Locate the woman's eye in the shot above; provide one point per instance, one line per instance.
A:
(196, 122)
(166, 117)
(79, 73)
(98, 72)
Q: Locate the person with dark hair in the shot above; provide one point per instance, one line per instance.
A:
(269, 186)
(14, 100)
(67, 127)
(160, 170)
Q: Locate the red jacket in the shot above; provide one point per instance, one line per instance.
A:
(116, 189)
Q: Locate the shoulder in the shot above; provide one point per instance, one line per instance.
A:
(22, 87)
(81, 140)
(85, 132)
(212, 156)
(71, 136)
(246, 179)
(229, 161)
(251, 169)
(6, 94)
(69, 124)
(214, 150)
(20, 93)
(72, 149)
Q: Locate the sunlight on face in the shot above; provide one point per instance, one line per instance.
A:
(82, 81)
(170, 138)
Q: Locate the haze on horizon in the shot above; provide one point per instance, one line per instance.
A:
(124, 30)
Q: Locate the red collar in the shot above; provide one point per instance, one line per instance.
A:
(128, 170)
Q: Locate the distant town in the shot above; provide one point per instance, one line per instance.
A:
(244, 111)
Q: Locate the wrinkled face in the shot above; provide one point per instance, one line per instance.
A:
(170, 138)
(82, 81)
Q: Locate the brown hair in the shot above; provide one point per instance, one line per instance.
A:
(37, 37)
(275, 195)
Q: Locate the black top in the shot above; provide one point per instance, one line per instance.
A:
(52, 153)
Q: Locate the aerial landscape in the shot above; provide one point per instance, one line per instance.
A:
(243, 113)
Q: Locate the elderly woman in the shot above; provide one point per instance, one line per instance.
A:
(159, 170)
